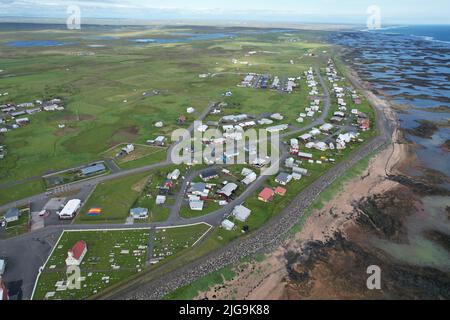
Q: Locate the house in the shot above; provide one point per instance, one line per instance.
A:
(326, 127)
(17, 114)
(199, 189)
(139, 213)
(2, 266)
(277, 116)
(296, 176)
(51, 107)
(174, 175)
(128, 149)
(364, 124)
(159, 141)
(33, 111)
(305, 137)
(93, 169)
(202, 128)
(250, 178)
(228, 190)
(280, 191)
(304, 155)
(160, 200)
(265, 121)
(70, 209)
(241, 213)
(22, 121)
(278, 128)
(209, 175)
(12, 215)
(322, 146)
(227, 225)
(283, 178)
(266, 195)
(76, 254)
(196, 204)
(336, 119)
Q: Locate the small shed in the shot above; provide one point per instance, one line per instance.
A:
(228, 225)
(12, 215)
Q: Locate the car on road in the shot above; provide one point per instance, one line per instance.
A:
(42, 213)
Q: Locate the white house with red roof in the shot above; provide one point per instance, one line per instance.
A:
(76, 254)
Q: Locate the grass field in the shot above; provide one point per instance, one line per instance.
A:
(107, 250)
(21, 191)
(171, 241)
(115, 198)
(140, 152)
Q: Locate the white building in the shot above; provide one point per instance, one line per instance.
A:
(128, 149)
(161, 200)
(76, 254)
(326, 127)
(241, 213)
(279, 128)
(250, 178)
(228, 225)
(70, 209)
(174, 175)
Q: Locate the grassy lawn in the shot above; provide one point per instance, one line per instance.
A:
(115, 198)
(155, 157)
(140, 152)
(21, 191)
(171, 241)
(209, 207)
(105, 253)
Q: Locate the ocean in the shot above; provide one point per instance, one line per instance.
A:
(411, 67)
(425, 32)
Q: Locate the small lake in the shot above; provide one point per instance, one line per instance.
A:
(185, 38)
(37, 43)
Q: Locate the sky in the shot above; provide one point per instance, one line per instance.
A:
(295, 11)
